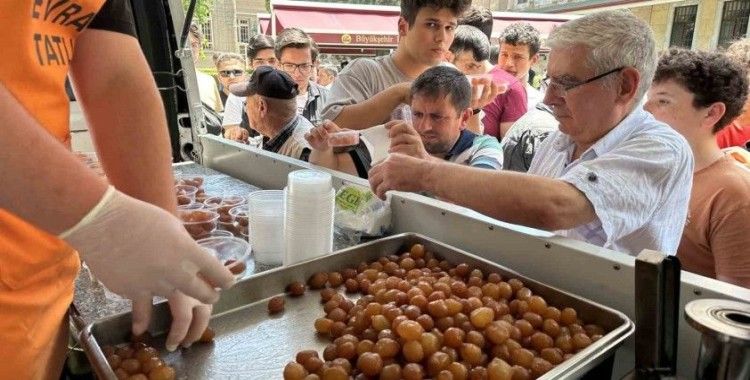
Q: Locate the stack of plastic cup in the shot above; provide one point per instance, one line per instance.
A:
(266, 215)
(308, 231)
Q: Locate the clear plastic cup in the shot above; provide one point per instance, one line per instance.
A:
(308, 225)
(266, 215)
(343, 138)
(198, 222)
(309, 182)
(185, 194)
(230, 227)
(266, 202)
(190, 180)
(231, 251)
(222, 205)
(216, 233)
(191, 206)
(241, 219)
(479, 87)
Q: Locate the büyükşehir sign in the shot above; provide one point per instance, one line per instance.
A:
(355, 39)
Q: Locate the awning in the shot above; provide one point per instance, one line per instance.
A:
(334, 27)
(360, 27)
(264, 23)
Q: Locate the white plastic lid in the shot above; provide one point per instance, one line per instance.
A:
(309, 182)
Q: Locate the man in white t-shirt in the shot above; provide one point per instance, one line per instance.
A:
(519, 51)
(612, 175)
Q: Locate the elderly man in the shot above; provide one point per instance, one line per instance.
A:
(612, 175)
(272, 110)
(260, 52)
(698, 94)
(440, 105)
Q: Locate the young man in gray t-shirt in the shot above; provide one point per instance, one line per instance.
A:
(373, 91)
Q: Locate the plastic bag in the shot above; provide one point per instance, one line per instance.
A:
(360, 213)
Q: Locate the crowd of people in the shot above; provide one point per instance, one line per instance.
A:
(618, 143)
(621, 147)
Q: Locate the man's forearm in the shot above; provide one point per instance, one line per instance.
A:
(42, 182)
(518, 198)
(371, 112)
(126, 115)
(324, 158)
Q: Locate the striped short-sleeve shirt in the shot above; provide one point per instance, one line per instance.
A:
(479, 151)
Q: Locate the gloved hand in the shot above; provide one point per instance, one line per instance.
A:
(139, 251)
(189, 319)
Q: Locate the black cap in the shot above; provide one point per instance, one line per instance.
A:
(269, 82)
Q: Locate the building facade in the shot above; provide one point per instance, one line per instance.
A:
(695, 24)
(230, 27)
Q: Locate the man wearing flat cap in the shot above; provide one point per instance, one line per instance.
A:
(272, 111)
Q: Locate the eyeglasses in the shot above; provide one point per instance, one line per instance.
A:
(264, 61)
(562, 88)
(231, 73)
(303, 68)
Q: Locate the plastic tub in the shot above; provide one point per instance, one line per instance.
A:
(231, 251)
(185, 194)
(309, 182)
(343, 138)
(198, 222)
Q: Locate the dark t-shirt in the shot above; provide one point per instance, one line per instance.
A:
(115, 16)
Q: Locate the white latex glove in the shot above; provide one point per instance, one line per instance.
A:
(189, 318)
(139, 251)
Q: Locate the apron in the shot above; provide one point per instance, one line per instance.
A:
(37, 270)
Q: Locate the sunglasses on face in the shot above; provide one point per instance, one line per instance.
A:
(231, 73)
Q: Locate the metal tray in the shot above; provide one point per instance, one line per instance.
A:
(250, 344)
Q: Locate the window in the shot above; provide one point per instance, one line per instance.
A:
(208, 36)
(242, 47)
(734, 21)
(683, 26)
(243, 30)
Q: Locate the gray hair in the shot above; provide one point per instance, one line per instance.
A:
(223, 57)
(331, 69)
(740, 51)
(613, 39)
(280, 110)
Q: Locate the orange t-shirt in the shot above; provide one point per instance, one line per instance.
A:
(716, 242)
(37, 270)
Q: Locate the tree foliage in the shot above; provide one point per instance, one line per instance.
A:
(202, 10)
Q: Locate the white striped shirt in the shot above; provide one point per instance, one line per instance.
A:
(638, 177)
